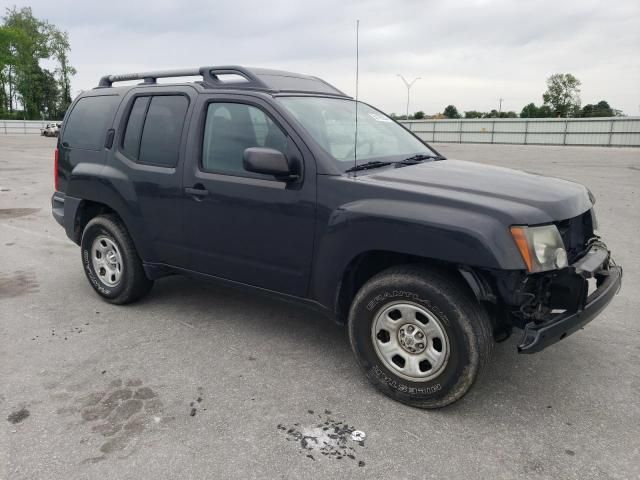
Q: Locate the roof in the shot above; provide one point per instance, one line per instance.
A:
(235, 77)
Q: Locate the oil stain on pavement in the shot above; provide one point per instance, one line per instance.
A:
(324, 437)
(118, 414)
(18, 416)
(18, 283)
(6, 213)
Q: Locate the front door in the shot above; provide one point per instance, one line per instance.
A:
(239, 225)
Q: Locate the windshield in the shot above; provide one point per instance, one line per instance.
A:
(331, 123)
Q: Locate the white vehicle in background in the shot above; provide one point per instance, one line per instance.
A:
(51, 130)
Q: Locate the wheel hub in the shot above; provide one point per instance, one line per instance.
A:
(412, 338)
(111, 258)
(107, 260)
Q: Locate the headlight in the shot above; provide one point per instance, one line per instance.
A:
(541, 247)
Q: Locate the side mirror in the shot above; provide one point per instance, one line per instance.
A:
(268, 162)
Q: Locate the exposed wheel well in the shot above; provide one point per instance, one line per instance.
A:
(86, 211)
(368, 264)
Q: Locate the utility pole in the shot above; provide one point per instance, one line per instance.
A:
(500, 107)
(408, 85)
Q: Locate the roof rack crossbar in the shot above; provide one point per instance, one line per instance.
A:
(210, 75)
(148, 77)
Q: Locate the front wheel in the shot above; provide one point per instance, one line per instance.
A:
(420, 335)
(111, 262)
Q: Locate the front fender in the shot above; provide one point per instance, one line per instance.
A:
(431, 231)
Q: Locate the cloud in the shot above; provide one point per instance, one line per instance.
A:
(469, 53)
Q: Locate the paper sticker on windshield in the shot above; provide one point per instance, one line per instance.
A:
(380, 118)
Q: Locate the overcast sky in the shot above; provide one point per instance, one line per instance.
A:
(468, 53)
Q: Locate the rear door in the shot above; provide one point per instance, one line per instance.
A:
(148, 149)
(242, 226)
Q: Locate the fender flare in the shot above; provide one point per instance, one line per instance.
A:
(95, 183)
(475, 239)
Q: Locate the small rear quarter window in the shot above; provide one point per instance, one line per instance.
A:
(89, 121)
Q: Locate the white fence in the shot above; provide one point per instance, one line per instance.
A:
(608, 131)
(17, 127)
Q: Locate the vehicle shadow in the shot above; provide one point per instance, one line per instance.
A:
(509, 382)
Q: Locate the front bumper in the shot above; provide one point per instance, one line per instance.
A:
(595, 264)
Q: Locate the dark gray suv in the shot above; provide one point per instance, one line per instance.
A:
(280, 183)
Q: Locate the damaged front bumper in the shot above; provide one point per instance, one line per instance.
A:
(597, 264)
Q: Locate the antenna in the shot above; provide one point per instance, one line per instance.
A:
(355, 145)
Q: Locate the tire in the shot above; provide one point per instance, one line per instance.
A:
(403, 306)
(111, 262)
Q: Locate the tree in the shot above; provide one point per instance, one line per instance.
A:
(60, 48)
(419, 115)
(473, 114)
(563, 94)
(24, 42)
(451, 112)
(601, 109)
(529, 111)
(545, 111)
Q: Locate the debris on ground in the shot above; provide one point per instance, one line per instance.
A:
(331, 438)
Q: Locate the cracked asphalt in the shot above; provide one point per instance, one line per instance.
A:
(199, 381)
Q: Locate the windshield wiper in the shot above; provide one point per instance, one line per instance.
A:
(368, 165)
(407, 161)
(419, 158)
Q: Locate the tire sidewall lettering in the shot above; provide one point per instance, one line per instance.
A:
(88, 266)
(433, 390)
(401, 387)
(374, 304)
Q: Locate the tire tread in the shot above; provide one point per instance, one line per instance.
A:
(137, 284)
(457, 293)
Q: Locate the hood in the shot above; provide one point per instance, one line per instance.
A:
(524, 198)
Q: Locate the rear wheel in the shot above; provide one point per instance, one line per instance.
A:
(420, 335)
(111, 262)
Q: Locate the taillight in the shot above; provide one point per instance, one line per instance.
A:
(56, 183)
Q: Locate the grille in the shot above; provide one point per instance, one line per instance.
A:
(575, 233)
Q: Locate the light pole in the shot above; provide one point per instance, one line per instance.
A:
(408, 85)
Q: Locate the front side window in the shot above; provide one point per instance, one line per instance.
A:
(231, 128)
(331, 122)
(154, 129)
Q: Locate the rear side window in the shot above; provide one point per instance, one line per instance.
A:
(89, 121)
(131, 142)
(154, 129)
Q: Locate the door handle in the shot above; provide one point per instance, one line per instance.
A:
(197, 191)
(108, 143)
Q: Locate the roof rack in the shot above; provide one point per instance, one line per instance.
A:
(252, 79)
(209, 75)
